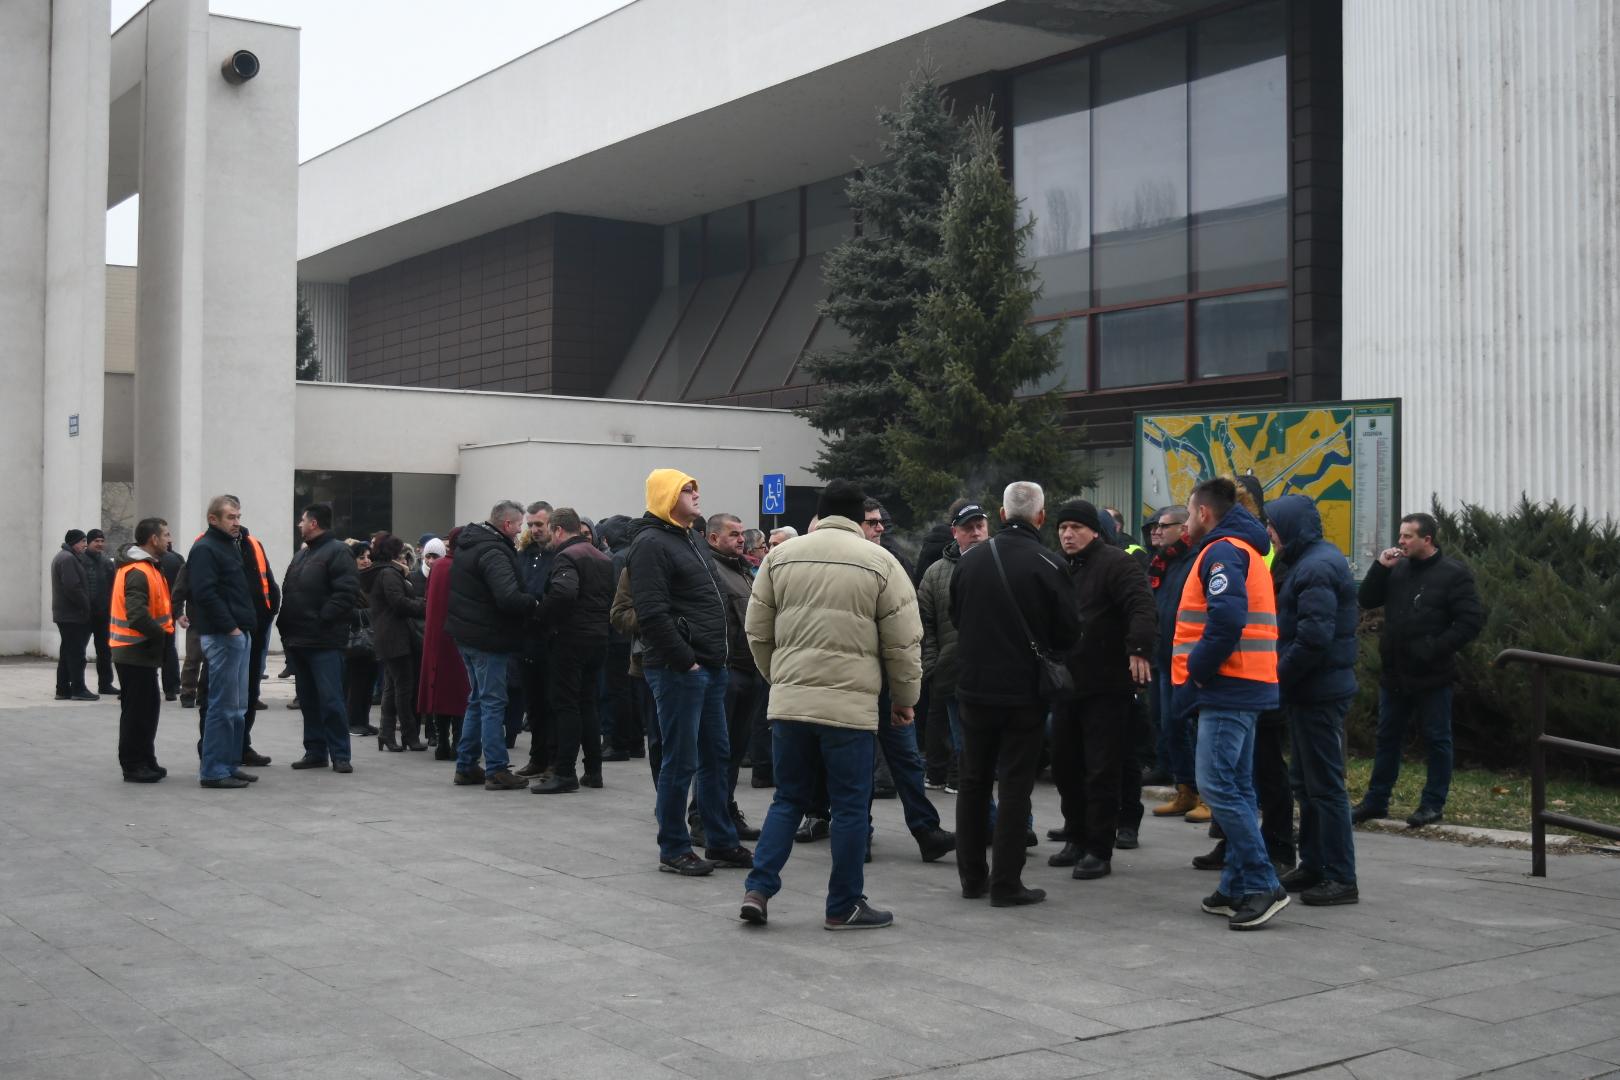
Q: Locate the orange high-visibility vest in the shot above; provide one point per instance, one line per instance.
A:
(264, 565)
(120, 634)
(1255, 655)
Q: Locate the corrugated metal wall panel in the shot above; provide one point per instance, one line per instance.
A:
(329, 311)
(1482, 243)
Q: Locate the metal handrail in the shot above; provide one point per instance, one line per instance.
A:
(1540, 817)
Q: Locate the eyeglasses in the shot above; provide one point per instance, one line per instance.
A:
(873, 521)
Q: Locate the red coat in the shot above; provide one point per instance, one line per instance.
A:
(443, 688)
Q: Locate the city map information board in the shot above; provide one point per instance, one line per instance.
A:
(1344, 455)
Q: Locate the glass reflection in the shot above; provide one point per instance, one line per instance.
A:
(1142, 346)
(1242, 334)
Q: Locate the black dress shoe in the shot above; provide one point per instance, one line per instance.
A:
(1070, 855)
(1362, 812)
(342, 766)
(1058, 834)
(975, 892)
(1425, 815)
(107, 691)
(365, 730)
(160, 770)
(1090, 868)
(255, 760)
(1214, 860)
(615, 755)
(259, 705)
(745, 831)
(759, 781)
(1330, 894)
(1125, 839)
(887, 791)
(141, 776)
(1019, 899)
(84, 695)
(223, 782)
(590, 779)
(170, 697)
(63, 697)
(1030, 839)
(813, 829)
(307, 762)
(935, 843)
(1299, 879)
(188, 701)
(249, 777)
(554, 785)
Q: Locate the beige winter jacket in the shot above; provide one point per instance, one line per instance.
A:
(832, 612)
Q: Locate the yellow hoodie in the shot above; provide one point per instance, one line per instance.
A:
(663, 490)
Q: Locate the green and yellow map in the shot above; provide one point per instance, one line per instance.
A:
(1341, 455)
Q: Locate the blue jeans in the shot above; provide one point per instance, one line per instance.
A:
(1175, 735)
(1316, 775)
(899, 748)
(318, 677)
(1433, 711)
(692, 722)
(227, 659)
(1226, 781)
(483, 729)
(801, 754)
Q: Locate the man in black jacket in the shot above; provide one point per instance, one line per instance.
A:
(998, 687)
(266, 594)
(1431, 610)
(530, 707)
(574, 613)
(221, 609)
(681, 616)
(318, 595)
(1091, 735)
(488, 610)
(71, 611)
(99, 571)
(746, 691)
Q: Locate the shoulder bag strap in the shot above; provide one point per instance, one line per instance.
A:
(1017, 611)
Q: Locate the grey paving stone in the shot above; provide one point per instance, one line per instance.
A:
(1401, 1065)
(1567, 1066)
(1507, 1002)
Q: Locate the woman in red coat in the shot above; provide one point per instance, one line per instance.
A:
(441, 692)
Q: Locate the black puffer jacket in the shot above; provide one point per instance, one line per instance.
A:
(1431, 610)
(318, 595)
(1117, 618)
(579, 593)
(488, 606)
(994, 663)
(680, 608)
(392, 604)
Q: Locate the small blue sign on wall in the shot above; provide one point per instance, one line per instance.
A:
(774, 497)
(73, 425)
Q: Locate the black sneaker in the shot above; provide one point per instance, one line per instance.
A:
(553, 785)
(1126, 839)
(141, 776)
(813, 829)
(1061, 835)
(1218, 903)
(1330, 894)
(472, 777)
(1425, 815)
(934, 843)
(1018, 899)
(1299, 879)
(1362, 812)
(1090, 868)
(223, 782)
(83, 695)
(862, 916)
(342, 767)
(686, 865)
(307, 762)
(753, 908)
(736, 858)
(1256, 909)
(254, 759)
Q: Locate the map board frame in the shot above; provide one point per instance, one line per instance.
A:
(1364, 435)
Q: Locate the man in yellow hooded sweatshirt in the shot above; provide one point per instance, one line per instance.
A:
(681, 613)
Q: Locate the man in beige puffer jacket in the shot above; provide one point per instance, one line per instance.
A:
(830, 615)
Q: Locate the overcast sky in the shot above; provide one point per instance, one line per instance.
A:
(367, 61)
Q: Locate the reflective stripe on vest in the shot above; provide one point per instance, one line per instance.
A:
(120, 633)
(1254, 657)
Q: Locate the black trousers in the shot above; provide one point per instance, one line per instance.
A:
(138, 707)
(534, 671)
(70, 662)
(255, 680)
(1001, 747)
(645, 707)
(190, 670)
(621, 725)
(359, 676)
(171, 666)
(1091, 742)
(1271, 786)
(574, 679)
(399, 698)
(104, 659)
(746, 696)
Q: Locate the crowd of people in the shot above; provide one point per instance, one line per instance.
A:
(828, 665)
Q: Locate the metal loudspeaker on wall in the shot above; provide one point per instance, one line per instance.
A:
(239, 67)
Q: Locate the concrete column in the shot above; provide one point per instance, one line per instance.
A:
(1482, 243)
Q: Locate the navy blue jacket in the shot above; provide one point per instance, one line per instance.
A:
(1223, 577)
(217, 596)
(1316, 607)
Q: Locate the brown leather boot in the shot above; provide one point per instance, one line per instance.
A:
(1185, 799)
(1200, 814)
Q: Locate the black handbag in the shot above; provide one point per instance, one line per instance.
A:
(1054, 682)
(362, 641)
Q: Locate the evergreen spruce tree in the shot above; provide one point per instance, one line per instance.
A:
(309, 361)
(875, 281)
(971, 350)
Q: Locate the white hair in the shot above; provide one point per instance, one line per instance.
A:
(787, 532)
(1023, 501)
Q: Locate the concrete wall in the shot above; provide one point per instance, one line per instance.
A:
(599, 479)
(1482, 274)
(53, 79)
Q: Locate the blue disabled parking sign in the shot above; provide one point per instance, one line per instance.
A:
(774, 498)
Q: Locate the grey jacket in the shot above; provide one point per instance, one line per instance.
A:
(939, 632)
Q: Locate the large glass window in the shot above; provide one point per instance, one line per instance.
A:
(1141, 346)
(1052, 173)
(828, 222)
(1239, 124)
(1242, 334)
(1140, 170)
(1071, 373)
(776, 228)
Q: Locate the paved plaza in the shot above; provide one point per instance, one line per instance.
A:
(387, 924)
